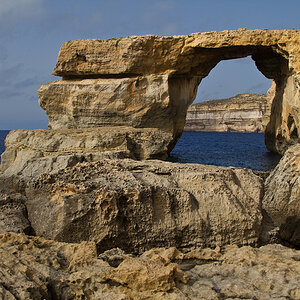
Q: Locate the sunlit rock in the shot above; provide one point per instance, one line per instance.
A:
(241, 113)
(35, 268)
(181, 62)
(30, 153)
(139, 205)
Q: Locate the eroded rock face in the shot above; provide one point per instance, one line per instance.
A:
(153, 101)
(33, 152)
(35, 268)
(150, 81)
(139, 205)
(13, 216)
(194, 54)
(241, 113)
(282, 196)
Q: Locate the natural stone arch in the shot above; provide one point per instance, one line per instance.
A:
(271, 64)
(149, 81)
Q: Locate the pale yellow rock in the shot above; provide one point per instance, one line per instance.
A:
(194, 54)
(35, 268)
(152, 101)
(33, 152)
(241, 113)
(154, 274)
(140, 205)
(181, 62)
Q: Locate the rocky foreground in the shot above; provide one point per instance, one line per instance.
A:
(35, 268)
(186, 232)
(88, 212)
(241, 113)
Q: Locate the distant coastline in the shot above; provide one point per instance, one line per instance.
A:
(241, 113)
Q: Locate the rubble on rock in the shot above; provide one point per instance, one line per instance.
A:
(35, 268)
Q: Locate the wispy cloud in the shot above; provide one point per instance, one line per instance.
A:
(15, 11)
(9, 74)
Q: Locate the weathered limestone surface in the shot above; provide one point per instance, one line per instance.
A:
(282, 196)
(241, 113)
(139, 205)
(35, 268)
(194, 54)
(13, 216)
(149, 101)
(32, 152)
(146, 78)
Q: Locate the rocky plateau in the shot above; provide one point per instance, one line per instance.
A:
(88, 211)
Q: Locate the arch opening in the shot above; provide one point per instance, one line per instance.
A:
(235, 136)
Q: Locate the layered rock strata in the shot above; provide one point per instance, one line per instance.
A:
(150, 81)
(171, 69)
(46, 269)
(241, 113)
(126, 99)
(32, 152)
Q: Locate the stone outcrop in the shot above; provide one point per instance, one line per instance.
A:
(241, 113)
(148, 82)
(32, 152)
(35, 268)
(177, 65)
(139, 205)
(140, 102)
(282, 197)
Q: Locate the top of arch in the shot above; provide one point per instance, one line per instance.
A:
(194, 54)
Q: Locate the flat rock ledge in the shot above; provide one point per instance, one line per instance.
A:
(33, 152)
(35, 268)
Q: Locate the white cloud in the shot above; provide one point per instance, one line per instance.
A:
(14, 11)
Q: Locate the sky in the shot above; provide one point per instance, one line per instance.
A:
(32, 32)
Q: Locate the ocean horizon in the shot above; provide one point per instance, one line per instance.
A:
(235, 149)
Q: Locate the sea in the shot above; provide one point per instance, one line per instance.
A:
(243, 150)
(3, 134)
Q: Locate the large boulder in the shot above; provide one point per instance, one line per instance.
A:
(142, 102)
(281, 201)
(33, 152)
(139, 205)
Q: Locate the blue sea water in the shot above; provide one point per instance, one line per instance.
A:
(244, 150)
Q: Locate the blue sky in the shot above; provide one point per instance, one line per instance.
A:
(32, 31)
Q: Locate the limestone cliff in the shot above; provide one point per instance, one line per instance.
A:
(241, 113)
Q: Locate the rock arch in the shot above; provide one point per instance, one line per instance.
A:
(149, 81)
(128, 97)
